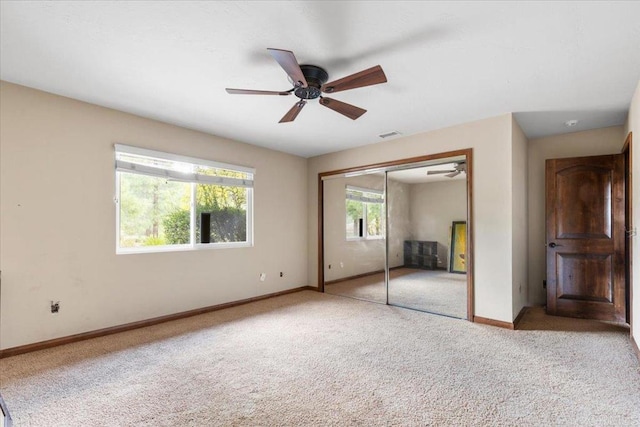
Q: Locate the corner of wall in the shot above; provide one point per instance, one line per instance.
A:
(519, 217)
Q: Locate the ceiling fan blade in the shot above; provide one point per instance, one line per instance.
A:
(293, 112)
(368, 77)
(451, 175)
(343, 108)
(439, 172)
(289, 64)
(255, 92)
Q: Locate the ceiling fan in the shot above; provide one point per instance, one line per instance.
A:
(310, 81)
(459, 168)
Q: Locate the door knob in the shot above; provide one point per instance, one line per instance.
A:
(553, 245)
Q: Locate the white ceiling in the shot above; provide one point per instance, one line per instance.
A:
(446, 63)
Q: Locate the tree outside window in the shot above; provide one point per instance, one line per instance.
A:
(160, 202)
(364, 213)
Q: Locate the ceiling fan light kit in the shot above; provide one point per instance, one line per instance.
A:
(316, 77)
(310, 81)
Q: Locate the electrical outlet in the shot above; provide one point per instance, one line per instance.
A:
(329, 266)
(55, 307)
(341, 264)
(281, 274)
(263, 277)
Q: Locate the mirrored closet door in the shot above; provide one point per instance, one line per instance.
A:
(397, 235)
(354, 236)
(422, 204)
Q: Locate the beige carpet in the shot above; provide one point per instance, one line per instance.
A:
(436, 291)
(311, 359)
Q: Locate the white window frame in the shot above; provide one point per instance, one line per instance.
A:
(365, 201)
(193, 179)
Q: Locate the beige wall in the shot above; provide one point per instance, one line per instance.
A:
(348, 258)
(588, 143)
(434, 206)
(58, 222)
(519, 218)
(490, 140)
(398, 199)
(633, 125)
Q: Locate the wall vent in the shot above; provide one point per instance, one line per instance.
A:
(389, 134)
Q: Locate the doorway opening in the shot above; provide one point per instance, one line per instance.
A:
(400, 233)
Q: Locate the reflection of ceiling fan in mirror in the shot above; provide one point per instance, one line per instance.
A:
(459, 168)
(310, 81)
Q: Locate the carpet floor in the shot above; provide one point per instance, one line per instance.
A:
(308, 359)
(433, 291)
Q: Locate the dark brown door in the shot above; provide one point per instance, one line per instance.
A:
(585, 237)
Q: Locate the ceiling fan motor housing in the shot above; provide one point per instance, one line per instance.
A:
(315, 77)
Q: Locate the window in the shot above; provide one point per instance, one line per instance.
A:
(170, 202)
(365, 213)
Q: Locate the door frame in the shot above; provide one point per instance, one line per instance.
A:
(468, 152)
(627, 150)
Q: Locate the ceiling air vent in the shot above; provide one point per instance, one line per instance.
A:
(389, 134)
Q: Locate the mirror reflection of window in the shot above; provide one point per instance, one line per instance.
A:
(364, 213)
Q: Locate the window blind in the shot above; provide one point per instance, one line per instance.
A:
(181, 168)
(364, 194)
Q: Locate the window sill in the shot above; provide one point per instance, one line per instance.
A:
(182, 248)
(364, 239)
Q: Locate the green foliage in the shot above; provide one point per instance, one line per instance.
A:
(227, 206)
(128, 242)
(144, 202)
(354, 213)
(228, 225)
(154, 241)
(215, 197)
(354, 209)
(154, 211)
(371, 212)
(374, 219)
(177, 227)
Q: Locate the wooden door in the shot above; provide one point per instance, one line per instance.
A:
(585, 237)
